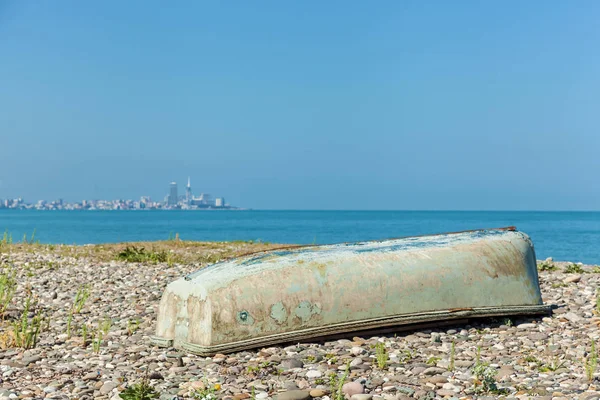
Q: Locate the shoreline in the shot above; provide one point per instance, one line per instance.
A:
(543, 356)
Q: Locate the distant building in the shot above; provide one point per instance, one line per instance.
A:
(219, 202)
(172, 200)
(188, 192)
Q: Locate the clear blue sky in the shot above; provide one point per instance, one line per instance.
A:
(312, 104)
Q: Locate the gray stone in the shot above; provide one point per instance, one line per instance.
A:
(291, 363)
(572, 279)
(28, 360)
(294, 395)
(352, 388)
(361, 396)
(107, 387)
(313, 373)
(406, 390)
(434, 371)
(573, 317)
(526, 326)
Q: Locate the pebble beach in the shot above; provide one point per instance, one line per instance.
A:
(97, 312)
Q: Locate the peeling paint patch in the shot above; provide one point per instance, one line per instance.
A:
(244, 318)
(279, 313)
(305, 310)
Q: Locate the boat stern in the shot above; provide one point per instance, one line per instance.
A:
(184, 315)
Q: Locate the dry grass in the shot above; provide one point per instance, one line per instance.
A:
(180, 251)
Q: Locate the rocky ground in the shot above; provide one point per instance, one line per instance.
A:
(549, 357)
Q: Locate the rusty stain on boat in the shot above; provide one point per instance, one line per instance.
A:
(313, 291)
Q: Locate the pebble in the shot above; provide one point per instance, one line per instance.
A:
(417, 367)
(572, 279)
(294, 395)
(361, 396)
(291, 363)
(352, 388)
(107, 387)
(313, 373)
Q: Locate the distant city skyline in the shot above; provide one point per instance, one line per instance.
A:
(443, 105)
(171, 201)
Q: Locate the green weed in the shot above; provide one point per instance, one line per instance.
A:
(381, 355)
(547, 266)
(486, 378)
(208, 393)
(69, 322)
(140, 391)
(26, 332)
(408, 355)
(96, 341)
(140, 254)
(133, 326)
(591, 362)
(7, 238)
(574, 269)
(452, 355)
(105, 326)
(80, 298)
(337, 383)
(553, 364)
(8, 287)
(331, 358)
(433, 360)
(84, 334)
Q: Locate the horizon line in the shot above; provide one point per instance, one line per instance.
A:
(338, 210)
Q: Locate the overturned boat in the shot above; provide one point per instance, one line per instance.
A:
(314, 292)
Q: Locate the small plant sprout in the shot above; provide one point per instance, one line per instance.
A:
(8, 287)
(97, 341)
(80, 298)
(140, 391)
(140, 254)
(547, 266)
(133, 326)
(7, 238)
(486, 378)
(452, 355)
(381, 355)
(337, 384)
(105, 326)
(554, 363)
(26, 332)
(432, 360)
(574, 269)
(69, 322)
(591, 362)
(209, 392)
(84, 334)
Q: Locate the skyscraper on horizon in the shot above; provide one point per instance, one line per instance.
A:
(188, 192)
(172, 201)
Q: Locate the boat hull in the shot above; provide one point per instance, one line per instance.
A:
(317, 291)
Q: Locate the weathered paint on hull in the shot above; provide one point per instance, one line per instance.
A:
(315, 291)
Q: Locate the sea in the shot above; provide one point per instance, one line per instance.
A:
(565, 236)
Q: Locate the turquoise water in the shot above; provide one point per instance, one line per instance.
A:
(572, 236)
